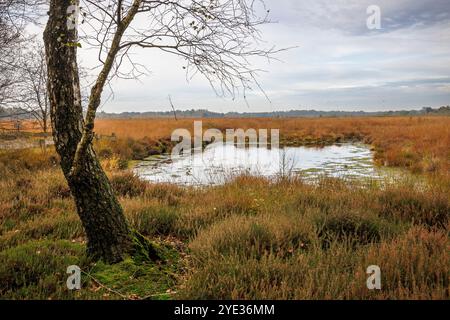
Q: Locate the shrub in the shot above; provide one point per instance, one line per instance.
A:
(253, 237)
(153, 221)
(353, 229)
(166, 193)
(127, 184)
(429, 208)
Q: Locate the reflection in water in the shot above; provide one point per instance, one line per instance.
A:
(218, 163)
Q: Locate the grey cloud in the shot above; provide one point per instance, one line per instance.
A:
(350, 16)
(339, 64)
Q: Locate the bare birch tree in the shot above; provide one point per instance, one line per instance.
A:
(216, 38)
(31, 90)
(14, 15)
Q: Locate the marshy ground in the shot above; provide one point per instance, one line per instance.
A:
(251, 238)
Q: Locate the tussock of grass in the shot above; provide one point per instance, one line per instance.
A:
(350, 228)
(168, 194)
(131, 148)
(414, 265)
(155, 221)
(126, 184)
(418, 207)
(253, 237)
(18, 161)
(48, 227)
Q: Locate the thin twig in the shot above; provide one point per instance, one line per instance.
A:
(158, 295)
(105, 287)
(173, 108)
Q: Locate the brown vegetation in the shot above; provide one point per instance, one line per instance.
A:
(248, 239)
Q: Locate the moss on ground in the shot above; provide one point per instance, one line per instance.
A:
(37, 270)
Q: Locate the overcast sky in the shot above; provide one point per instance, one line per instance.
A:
(339, 64)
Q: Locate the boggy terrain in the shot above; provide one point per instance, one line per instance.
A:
(251, 238)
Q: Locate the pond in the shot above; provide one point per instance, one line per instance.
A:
(219, 163)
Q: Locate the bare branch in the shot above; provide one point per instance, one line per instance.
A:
(216, 38)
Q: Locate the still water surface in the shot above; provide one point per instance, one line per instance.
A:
(219, 163)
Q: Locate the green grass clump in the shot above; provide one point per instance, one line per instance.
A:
(48, 227)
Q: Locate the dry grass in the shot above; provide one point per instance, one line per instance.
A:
(250, 238)
(25, 125)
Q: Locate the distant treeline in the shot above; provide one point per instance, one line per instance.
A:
(15, 113)
(276, 114)
(445, 110)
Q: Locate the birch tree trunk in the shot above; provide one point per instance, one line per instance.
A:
(108, 233)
